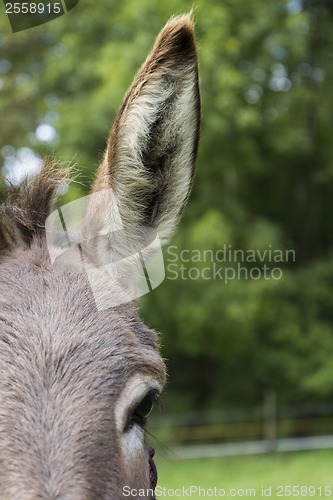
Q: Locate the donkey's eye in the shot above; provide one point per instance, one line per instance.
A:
(142, 410)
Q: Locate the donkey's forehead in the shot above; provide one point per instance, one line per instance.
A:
(50, 312)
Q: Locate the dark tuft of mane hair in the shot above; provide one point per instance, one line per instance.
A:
(27, 206)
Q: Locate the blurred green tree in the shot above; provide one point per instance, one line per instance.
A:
(264, 179)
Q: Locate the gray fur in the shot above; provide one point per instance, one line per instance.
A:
(64, 365)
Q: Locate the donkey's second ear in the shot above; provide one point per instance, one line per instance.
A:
(153, 144)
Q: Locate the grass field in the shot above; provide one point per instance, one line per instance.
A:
(280, 475)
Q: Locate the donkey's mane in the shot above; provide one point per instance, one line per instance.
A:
(27, 206)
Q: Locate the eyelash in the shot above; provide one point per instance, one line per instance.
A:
(139, 414)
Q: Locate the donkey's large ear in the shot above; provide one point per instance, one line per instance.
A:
(153, 144)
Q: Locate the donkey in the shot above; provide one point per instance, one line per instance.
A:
(78, 383)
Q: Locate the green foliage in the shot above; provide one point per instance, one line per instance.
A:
(264, 178)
